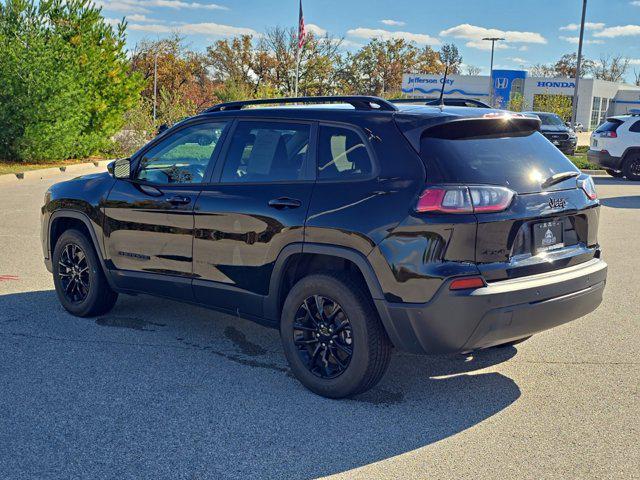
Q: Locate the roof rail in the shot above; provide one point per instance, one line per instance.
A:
(359, 102)
(412, 100)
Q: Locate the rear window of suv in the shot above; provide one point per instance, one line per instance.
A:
(474, 152)
(609, 126)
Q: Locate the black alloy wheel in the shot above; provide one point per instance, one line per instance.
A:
(73, 271)
(332, 335)
(80, 282)
(323, 336)
(632, 168)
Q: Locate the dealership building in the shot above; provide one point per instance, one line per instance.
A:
(597, 99)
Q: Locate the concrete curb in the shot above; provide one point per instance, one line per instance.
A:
(595, 172)
(42, 173)
(53, 171)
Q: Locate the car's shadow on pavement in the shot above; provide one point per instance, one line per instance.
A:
(159, 389)
(628, 201)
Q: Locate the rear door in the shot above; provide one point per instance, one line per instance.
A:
(254, 207)
(544, 228)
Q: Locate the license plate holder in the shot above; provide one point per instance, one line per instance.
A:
(548, 236)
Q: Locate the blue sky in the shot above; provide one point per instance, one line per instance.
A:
(536, 31)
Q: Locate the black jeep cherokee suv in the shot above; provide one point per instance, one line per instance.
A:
(353, 228)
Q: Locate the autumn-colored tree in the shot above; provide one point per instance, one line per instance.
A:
(567, 64)
(377, 68)
(182, 73)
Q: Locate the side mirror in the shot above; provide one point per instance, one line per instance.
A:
(162, 128)
(568, 124)
(120, 168)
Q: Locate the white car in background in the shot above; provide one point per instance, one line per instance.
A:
(615, 145)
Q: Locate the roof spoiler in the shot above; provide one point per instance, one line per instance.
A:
(455, 128)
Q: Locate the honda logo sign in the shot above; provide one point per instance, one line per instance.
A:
(501, 82)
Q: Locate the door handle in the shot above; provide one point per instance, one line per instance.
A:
(284, 202)
(179, 200)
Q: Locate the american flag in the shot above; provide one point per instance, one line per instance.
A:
(301, 31)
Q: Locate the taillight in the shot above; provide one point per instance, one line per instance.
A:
(461, 199)
(468, 282)
(609, 134)
(588, 187)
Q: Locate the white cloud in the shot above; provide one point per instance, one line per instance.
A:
(575, 40)
(475, 33)
(635, 3)
(484, 45)
(619, 31)
(419, 38)
(523, 48)
(142, 6)
(208, 28)
(176, 4)
(572, 27)
(125, 6)
(634, 61)
(315, 29)
(517, 60)
(392, 23)
(136, 17)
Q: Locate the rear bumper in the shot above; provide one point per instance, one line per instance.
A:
(457, 321)
(604, 159)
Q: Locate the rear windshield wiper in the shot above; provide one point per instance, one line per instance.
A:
(558, 177)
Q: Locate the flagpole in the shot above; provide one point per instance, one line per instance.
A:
(301, 35)
(295, 88)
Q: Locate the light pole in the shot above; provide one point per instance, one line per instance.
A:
(574, 101)
(155, 85)
(493, 41)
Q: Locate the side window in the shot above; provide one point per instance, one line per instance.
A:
(342, 154)
(635, 127)
(262, 151)
(182, 157)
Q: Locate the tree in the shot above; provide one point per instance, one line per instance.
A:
(558, 104)
(377, 68)
(449, 55)
(472, 70)
(517, 103)
(567, 64)
(65, 79)
(182, 73)
(542, 70)
(612, 69)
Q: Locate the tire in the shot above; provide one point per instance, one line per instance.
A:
(365, 336)
(613, 173)
(82, 290)
(631, 168)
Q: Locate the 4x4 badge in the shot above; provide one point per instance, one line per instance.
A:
(557, 202)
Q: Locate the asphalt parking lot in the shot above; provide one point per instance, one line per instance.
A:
(157, 389)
